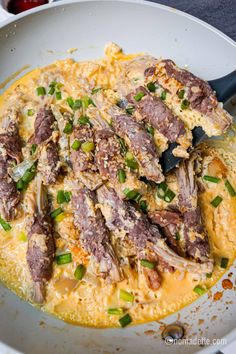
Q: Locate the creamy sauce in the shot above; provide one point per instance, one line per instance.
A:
(86, 302)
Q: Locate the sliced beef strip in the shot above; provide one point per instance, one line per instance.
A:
(199, 93)
(141, 145)
(107, 155)
(48, 163)
(10, 152)
(121, 215)
(196, 239)
(95, 236)
(83, 163)
(41, 249)
(43, 126)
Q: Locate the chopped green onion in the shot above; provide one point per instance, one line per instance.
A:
(211, 179)
(58, 95)
(68, 128)
(56, 212)
(199, 290)
(130, 161)
(64, 258)
(184, 104)
(41, 91)
(147, 264)
(88, 146)
(209, 275)
(83, 120)
(143, 206)
(95, 90)
(169, 196)
(87, 101)
(177, 236)
(125, 296)
(77, 104)
(80, 272)
(163, 95)
(139, 96)
(21, 185)
(130, 110)
(125, 321)
(150, 129)
(132, 194)
(70, 102)
(28, 176)
(67, 196)
(30, 112)
(224, 262)
(216, 201)
(121, 176)
(76, 145)
(51, 90)
(161, 190)
(5, 225)
(230, 188)
(33, 148)
(181, 94)
(151, 86)
(63, 197)
(123, 147)
(118, 311)
(129, 156)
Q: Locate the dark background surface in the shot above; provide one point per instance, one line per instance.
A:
(218, 13)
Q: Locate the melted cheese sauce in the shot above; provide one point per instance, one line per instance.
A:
(86, 302)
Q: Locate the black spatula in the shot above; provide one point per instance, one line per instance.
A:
(225, 88)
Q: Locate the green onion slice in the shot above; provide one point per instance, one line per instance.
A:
(224, 262)
(163, 95)
(60, 197)
(216, 201)
(87, 101)
(51, 90)
(123, 147)
(161, 190)
(33, 148)
(30, 112)
(77, 104)
(125, 321)
(58, 95)
(76, 145)
(150, 129)
(80, 272)
(88, 146)
(21, 185)
(184, 104)
(130, 110)
(151, 86)
(28, 176)
(41, 91)
(181, 94)
(68, 128)
(139, 96)
(125, 296)
(121, 176)
(131, 163)
(132, 194)
(70, 102)
(230, 188)
(143, 206)
(177, 236)
(118, 311)
(83, 120)
(199, 290)
(147, 264)
(169, 196)
(64, 258)
(211, 179)
(5, 225)
(56, 212)
(95, 90)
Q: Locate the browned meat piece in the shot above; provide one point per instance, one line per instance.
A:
(155, 112)
(41, 248)
(43, 126)
(196, 239)
(94, 233)
(48, 163)
(10, 152)
(141, 145)
(107, 155)
(83, 163)
(122, 216)
(153, 278)
(169, 221)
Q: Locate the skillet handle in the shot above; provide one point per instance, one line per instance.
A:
(225, 86)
